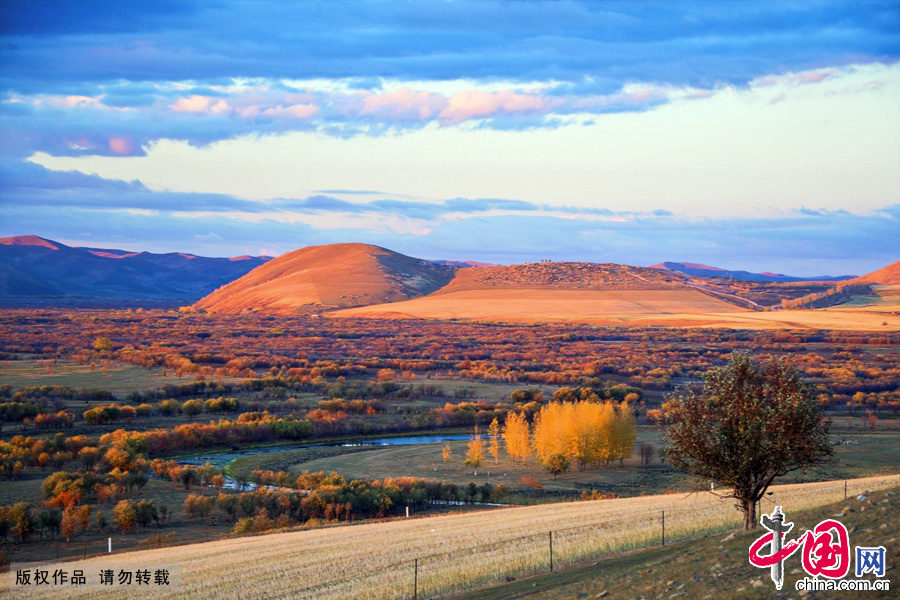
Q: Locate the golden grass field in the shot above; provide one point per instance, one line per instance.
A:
(377, 558)
(640, 308)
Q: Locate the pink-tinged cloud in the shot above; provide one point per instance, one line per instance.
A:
(121, 146)
(71, 101)
(404, 104)
(194, 104)
(296, 111)
(630, 99)
(478, 104)
(811, 77)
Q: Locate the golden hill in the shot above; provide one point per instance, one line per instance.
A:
(563, 276)
(555, 291)
(889, 275)
(336, 275)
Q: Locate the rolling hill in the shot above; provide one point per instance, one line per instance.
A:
(554, 291)
(31, 266)
(889, 275)
(337, 275)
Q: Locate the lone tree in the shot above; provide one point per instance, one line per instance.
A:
(751, 423)
(475, 453)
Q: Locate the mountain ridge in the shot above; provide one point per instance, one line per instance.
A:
(701, 270)
(33, 266)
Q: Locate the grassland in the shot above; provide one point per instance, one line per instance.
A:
(376, 560)
(637, 308)
(883, 299)
(712, 566)
(863, 455)
(116, 377)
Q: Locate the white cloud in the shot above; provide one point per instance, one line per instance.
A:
(729, 153)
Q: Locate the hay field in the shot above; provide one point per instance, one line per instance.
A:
(375, 560)
(638, 308)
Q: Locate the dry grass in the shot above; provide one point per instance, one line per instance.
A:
(883, 299)
(526, 304)
(333, 275)
(377, 558)
(640, 308)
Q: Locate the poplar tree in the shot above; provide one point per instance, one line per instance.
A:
(475, 453)
(494, 440)
(516, 435)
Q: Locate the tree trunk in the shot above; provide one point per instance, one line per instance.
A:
(749, 508)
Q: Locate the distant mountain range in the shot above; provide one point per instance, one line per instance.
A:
(34, 266)
(700, 270)
(343, 276)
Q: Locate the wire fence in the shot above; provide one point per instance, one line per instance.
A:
(442, 574)
(446, 573)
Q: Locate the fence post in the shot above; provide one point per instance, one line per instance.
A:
(416, 581)
(551, 551)
(663, 528)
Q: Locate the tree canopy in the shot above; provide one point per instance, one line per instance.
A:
(752, 422)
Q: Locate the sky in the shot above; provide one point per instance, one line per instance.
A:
(746, 135)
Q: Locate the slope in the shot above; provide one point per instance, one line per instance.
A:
(33, 266)
(454, 552)
(889, 275)
(335, 275)
(538, 292)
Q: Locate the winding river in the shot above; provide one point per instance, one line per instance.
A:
(223, 458)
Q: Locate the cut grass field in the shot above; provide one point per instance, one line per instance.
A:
(375, 560)
(715, 566)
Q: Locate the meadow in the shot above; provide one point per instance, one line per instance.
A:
(192, 383)
(856, 455)
(377, 560)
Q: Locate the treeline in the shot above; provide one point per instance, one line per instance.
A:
(839, 293)
(318, 497)
(586, 432)
(121, 449)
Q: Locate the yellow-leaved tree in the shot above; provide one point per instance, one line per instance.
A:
(494, 440)
(516, 435)
(475, 453)
(625, 433)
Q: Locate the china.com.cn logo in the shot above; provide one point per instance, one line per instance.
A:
(826, 553)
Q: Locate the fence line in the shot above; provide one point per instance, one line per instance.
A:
(441, 573)
(539, 554)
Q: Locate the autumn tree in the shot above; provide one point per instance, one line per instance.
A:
(624, 434)
(516, 434)
(494, 440)
(475, 453)
(556, 464)
(752, 422)
(70, 522)
(124, 515)
(102, 344)
(446, 452)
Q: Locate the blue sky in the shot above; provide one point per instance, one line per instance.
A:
(755, 135)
